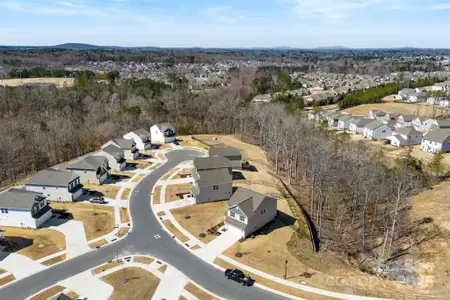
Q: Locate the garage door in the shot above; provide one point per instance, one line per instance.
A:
(235, 230)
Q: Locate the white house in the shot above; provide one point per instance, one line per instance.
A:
(435, 142)
(417, 97)
(444, 103)
(405, 121)
(22, 208)
(141, 137)
(56, 185)
(441, 86)
(128, 146)
(377, 130)
(163, 133)
(410, 135)
(115, 156)
(357, 125)
(249, 211)
(403, 94)
(377, 115)
(393, 116)
(419, 124)
(333, 119)
(344, 122)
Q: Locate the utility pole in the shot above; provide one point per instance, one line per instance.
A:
(285, 269)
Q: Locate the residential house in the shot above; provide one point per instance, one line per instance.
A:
(441, 86)
(420, 90)
(357, 125)
(417, 97)
(324, 116)
(91, 169)
(344, 122)
(439, 124)
(115, 156)
(56, 185)
(333, 119)
(22, 208)
(393, 116)
(141, 137)
(405, 121)
(213, 179)
(233, 155)
(377, 130)
(130, 151)
(377, 115)
(419, 124)
(403, 94)
(406, 136)
(436, 141)
(248, 211)
(444, 102)
(163, 133)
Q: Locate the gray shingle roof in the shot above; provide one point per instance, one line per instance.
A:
(345, 118)
(113, 150)
(124, 144)
(443, 123)
(374, 125)
(361, 122)
(209, 163)
(164, 126)
(378, 113)
(407, 131)
(89, 163)
(52, 177)
(19, 199)
(436, 136)
(247, 200)
(214, 177)
(408, 118)
(225, 152)
(142, 133)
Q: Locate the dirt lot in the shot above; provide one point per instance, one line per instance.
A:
(98, 220)
(7, 279)
(59, 82)
(203, 216)
(99, 243)
(124, 218)
(419, 109)
(157, 195)
(54, 260)
(140, 164)
(183, 174)
(107, 266)
(174, 192)
(44, 295)
(126, 194)
(33, 243)
(163, 269)
(168, 224)
(198, 292)
(125, 176)
(167, 175)
(138, 178)
(143, 260)
(108, 191)
(132, 284)
(187, 141)
(122, 231)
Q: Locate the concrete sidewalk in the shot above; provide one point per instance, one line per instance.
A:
(76, 242)
(87, 285)
(172, 285)
(217, 246)
(19, 265)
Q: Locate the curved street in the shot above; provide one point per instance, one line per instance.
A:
(141, 240)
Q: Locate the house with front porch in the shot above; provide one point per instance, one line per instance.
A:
(419, 124)
(91, 169)
(56, 185)
(22, 208)
(141, 137)
(130, 151)
(213, 177)
(115, 157)
(248, 211)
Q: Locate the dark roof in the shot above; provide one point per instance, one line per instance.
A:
(378, 113)
(164, 126)
(407, 131)
(247, 200)
(63, 296)
(123, 143)
(443, 123)
(362, 122)
(142, 133)
(89, 163)
(19, 199)
(235, 223)
(113, 150)
(345, 118)
(408, 118)
(52, 177)
(214, 177)
(225, 152)
(436, 136)
(374, 125)
(209, 163)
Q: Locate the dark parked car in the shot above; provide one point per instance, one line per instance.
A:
(386, 142)
(238, 276)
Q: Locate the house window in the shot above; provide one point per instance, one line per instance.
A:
(242, 218)
(232, 214)
(4, 210)
(215, 187)
(263, 211)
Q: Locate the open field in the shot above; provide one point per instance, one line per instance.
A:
(143, 260)
(107, 266)
(419, 109)
(126, 194)
(187, 141)
(99, 243)
(108, 191)
(44, 295)
(34, 243)
(59, 82)
(98, 220)
(174, 192)
(124, 217)
(202, 217)
(132, 284)
(183, 174)
(7, 279)
(140, 164)
(54, 260)
(169, 225)
(198, 292)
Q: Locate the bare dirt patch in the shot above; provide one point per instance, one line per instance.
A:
(156, 197)
(122, 231)
(108, 191)
(169, 225)
(124, 217)
(175, 192)
(202, 217)
(124, 176)
(34, 243)
(54, 260)
(98, 220)
(7, 279)
(107, 266)
(44, 295)
(168, 174)
(99, 243)
(132, 283)
(59, 82)
(143, 260)
(162, 269)
(183, 174)
(140, 164)
(198, 292)
(419, 109)
(126, 194)
(72, 295)
(138, 178)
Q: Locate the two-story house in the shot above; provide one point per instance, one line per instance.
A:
(141, 137)
(233, 155)
(248, 211)
(128, 146)
(163, 133)
(405, 121)
(333, 119)
(420, 124)
(115, 156)
(377, 115)
(436, 141)
(56, 185)
(344, 122)
(357, 125)
(22, 208)
(91, 169)
(406, 136)
(377, 130)
(213, 179)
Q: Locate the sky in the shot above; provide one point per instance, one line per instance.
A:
(227, 23)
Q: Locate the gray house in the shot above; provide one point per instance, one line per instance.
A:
(92, 169)
(22, 208)
(436, 141)
(56, 185)
(233, 154)
(128, 146)
(213, 179)
(115, 156)
(248, 211)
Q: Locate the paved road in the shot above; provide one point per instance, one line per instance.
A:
(141, 241)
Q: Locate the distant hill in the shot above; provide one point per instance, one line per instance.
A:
(76, 46)
(331, 48)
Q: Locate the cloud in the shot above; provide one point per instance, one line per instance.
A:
(70, 4)
(62, 8)
(12, 5)
(222, 13)
(440, 6)
(332, 8)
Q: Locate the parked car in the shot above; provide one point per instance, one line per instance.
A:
(238, 276)
(386, 142)
(99, 200)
